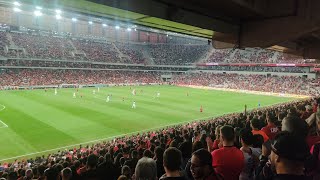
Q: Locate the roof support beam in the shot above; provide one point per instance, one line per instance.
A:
(172, 13)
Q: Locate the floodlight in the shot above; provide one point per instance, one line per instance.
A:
(104, 25)
(90, 22)
(74, 19)
(58, 11)
(37, 13)
(117, 27)
(17, 3)
(135, 29)
(58, 16)
(16, 9)
(38, 7)
(129, 29)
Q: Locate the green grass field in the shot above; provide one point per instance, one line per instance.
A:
(40, 122)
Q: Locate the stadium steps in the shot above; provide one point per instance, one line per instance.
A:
(118, 51)
(72, 45)
(9, 37)
(147, 56)
(207, 56)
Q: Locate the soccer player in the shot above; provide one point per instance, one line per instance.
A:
(158, 94)
(134, 92)
(74, 95)
(133, 105)
(94, 92)
(98, 89)
(55, 91)
(108, 98)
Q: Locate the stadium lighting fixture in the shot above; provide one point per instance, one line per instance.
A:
(117, 27)
(135, 29)
(38, 7)
(90, 22)
(37, 13)
(129, 29)
(104, 25)
(17, 3)
(167, 35)
(16, 9)
(58, 11)
(58, 16)
(74, 19)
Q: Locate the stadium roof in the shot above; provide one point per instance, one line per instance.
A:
(288, 25)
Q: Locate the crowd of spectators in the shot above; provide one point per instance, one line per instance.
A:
(253, 55)
(280, 142)
(97, 51)
(275, 84)
(30, 77)
(132, 51)
(177, 54)
(51, 46)
(42, 46)
(259, 69)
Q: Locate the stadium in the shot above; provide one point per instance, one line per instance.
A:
(159, 89)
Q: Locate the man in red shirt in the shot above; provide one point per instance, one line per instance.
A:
(228, 160)
(270, 129)
(255, 124)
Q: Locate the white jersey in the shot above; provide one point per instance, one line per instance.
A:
(108, 99)
(158, 94)
(74, 95)
(94, 92)
(134, 105)
(134, 92)
(98, 89)
(55, 92)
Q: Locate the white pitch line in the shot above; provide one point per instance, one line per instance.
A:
(5, 125)
(3, 107)
(121, 135)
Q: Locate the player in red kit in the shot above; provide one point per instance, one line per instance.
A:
(201, 109)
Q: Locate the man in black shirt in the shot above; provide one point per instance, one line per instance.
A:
(288, 153)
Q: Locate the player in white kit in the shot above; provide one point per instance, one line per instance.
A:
(94, 92)
(133, 105)
(55, 91)
(158, 94)
(74, 95)
(108, 98)
(98, 89)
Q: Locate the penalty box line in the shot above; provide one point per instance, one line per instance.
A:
(4, 124)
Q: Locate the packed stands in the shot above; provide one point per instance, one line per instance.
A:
(56, 77)
(253, 55)
(41, 46)
(52, 46)
(176, 54)
(276, 84)
(259, 69)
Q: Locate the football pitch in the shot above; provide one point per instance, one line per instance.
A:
(35, 122)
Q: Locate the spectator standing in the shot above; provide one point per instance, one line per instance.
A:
(228, 160)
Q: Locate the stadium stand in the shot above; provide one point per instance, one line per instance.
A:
(253, 55)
